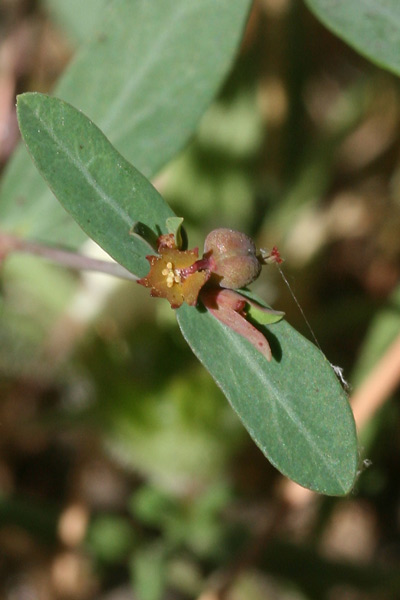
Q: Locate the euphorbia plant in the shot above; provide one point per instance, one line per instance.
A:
(292, 405)
(229, 262)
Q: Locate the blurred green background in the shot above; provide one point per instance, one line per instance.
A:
(123, 471)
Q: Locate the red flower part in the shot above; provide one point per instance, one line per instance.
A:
(276, 256)
(273, 256)
(167, 240)
(227, 306)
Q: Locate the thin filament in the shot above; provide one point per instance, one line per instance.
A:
(337, 370)
(299, 307)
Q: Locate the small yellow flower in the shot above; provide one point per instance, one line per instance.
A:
(167, 277)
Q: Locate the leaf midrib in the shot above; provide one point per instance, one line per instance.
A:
(82, 168)
(154, 56)
(304, 431)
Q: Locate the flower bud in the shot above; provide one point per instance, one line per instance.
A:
(235, 263)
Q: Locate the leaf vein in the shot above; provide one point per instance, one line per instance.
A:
(83, 170)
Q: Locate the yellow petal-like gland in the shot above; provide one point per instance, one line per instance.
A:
(165, 278)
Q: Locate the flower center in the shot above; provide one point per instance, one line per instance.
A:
(172, 275)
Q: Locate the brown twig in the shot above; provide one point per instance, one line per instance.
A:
(377, 388)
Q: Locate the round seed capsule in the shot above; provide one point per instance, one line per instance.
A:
(234, 254)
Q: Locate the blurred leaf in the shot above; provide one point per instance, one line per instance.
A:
(148, 572)
(152, 506)
(168, 437)
(110, 537)
(383, 331)
(214, 178)
(101, 190)
(214, 499)
(192, 522)
(28, 307)
(77, 18)
(294, 407)
(186, 576)
(145, 78)
(206, 529)
(371, 28)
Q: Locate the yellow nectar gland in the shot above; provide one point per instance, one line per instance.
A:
(172, 275)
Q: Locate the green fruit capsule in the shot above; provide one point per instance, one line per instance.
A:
(233, 254)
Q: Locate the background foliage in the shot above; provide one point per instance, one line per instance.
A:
(113, 480)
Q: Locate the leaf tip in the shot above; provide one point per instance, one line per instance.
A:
(23, 98)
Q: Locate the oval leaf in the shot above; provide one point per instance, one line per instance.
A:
(145, 78)
(105, 194)
(370, 27)
(293, 407)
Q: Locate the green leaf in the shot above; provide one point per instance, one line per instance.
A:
(105, 194)
(145, 78)
(110, 537)
(174, 226)
(372, 27)
(293, 407)
(383, 330)
(148, 569)
(260, 312)
(263, 317)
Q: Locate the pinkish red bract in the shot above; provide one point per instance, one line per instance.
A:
(228, 307)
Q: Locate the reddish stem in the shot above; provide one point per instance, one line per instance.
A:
(207, 263)
(10, 243)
